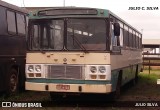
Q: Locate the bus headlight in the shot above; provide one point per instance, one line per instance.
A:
(30, 68)
(98, 72)
(93, 69)
(37, 68)
(35, 71)
(102, 69)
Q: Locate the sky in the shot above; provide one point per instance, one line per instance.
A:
(145, 20)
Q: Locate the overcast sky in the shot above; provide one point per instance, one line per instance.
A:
(146, 21)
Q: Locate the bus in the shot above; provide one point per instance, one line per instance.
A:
(77, 50)
(12, 47)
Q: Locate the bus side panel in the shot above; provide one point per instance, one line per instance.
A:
(22, 78)
(2, 75)
(128, 73)
(5, 64)
(12, 54)
(114, 79)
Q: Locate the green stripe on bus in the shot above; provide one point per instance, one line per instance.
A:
(42, 80)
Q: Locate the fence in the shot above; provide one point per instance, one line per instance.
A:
(151, 59)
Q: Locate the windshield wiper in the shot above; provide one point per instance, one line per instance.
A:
(79, 44)
(41, 50)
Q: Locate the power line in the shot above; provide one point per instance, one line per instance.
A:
(24, 4)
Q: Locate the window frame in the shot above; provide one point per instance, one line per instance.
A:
(126, 35)
(11, 32)
(18, 23)
(130, 38)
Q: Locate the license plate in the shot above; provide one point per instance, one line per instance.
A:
(62, 87)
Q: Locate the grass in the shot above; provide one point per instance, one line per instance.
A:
(151, 78)
(145, 90)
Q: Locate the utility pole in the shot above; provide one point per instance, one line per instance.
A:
(64, 3)
(142, 31)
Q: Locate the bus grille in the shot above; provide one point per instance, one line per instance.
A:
(65, 72)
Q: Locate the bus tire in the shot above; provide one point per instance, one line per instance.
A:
(12, 83)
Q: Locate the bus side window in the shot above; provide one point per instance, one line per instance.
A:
(44, 42)
(35, 37)
(121, 37)
(56, 36)
(11, 20)
(115, 39)
(21, 27)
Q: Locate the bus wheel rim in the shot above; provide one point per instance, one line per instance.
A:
(13, 83)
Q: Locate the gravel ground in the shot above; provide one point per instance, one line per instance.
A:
(145, 90)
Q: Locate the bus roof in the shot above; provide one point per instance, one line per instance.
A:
(13, 7)
(66, 11)
(52, 12)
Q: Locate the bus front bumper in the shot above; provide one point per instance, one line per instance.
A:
(77, 88)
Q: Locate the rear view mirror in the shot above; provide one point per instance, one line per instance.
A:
(116, 29)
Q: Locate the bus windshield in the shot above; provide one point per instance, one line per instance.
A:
(71, 34)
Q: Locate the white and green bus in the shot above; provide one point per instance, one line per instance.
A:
(75, 50)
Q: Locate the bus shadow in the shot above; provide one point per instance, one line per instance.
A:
(89, 100)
